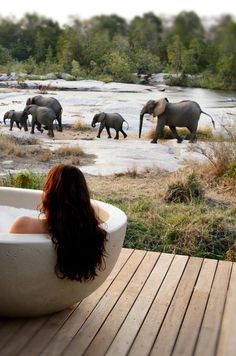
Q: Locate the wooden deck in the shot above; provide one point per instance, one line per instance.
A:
(151, 304)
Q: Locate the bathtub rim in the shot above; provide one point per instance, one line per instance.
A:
(117, 218)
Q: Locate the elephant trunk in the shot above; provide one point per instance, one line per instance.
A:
(4, 119)
(140, 124)
(93, 124)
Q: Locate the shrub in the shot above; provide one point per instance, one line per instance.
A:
(67, 150)
(203, 133)
(221, 153)
(24, 179)
(79, 125)
(185, 192)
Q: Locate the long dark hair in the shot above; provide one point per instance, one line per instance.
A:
(72, 224)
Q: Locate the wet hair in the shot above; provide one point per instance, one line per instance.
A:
(72, 224)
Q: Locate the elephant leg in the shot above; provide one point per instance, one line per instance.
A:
(59, 125)
(102, 125)
(124, 134)
(159, 129)
(193, 137)
(193, 132)
(11, 124)
(50, 132)
(18, 125)
(39, 127)
(108, 131)
(117, 135)
(175, 133)
(33, 125)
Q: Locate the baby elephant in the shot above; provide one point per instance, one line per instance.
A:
(19, 117)
(110, 120)
(41, 115)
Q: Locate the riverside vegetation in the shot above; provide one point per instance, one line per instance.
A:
(111, 49)
(191, 211)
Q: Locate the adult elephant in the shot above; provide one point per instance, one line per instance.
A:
(185, 113)
(41, 115)
(109, 120)
(48, 102)
(19, 117)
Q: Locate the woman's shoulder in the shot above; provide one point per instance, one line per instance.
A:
(28, 225)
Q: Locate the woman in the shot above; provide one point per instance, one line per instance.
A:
(70, 220)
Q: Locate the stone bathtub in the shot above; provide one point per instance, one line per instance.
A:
(28, 284)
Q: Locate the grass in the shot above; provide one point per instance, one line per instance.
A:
(197, 226)
(23, 148)
(202, 224)
(191, 211)
(23, 179)
(203, 133)
(80, 125)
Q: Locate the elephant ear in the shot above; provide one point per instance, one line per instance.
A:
(159, 107)
(10, 113)
(102, 116)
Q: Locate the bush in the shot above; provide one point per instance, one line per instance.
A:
(185, 192)
(23, 179)
(221, 153)
(203, 134)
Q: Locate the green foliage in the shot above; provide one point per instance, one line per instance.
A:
(190, 191)
(88, 49)
(5, 56)
(146, 62)
(198, 230)
(24, 179)
(187, 26)
(119, 67)
(230, 171)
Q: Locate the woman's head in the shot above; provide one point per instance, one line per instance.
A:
(72, 223)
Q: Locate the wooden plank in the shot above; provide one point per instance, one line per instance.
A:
(153, 321)
(22, 336)
(227, 339)
(132, 323)
(191, 324)
(89, 329)
(70, 317)
(207, 341)
(9, 329)
(78, 318)
(46, 332)
(169, 330)
(114, 320)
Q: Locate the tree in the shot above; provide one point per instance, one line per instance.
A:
(146, 33)
(113, 25)
(188, 26)
(5, 56)
(69, 47)
(175, 53)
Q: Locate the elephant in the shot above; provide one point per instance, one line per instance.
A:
(19, 117)
(185, 113)
(49, 102)
(110, 120)
(41, 115)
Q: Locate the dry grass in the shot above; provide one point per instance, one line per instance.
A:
(8, 148)
(68, 150)
(203, 133)
(79, 125)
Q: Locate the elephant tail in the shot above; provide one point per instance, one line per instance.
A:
(213, 122)
(127, 124)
